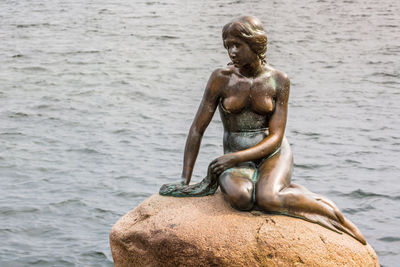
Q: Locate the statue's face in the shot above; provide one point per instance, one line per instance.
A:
(239, 51)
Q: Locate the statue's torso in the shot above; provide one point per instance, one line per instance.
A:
(246, 106)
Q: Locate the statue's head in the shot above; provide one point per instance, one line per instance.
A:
(250, 30)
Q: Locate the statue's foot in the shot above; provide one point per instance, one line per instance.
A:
(348, 227)
(334, 225)
(341, 223)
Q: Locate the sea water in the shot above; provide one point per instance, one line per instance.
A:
(97, 97)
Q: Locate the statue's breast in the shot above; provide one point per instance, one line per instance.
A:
(234, 104)
(257, 96)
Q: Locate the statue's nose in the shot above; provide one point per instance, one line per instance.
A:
(232, 54)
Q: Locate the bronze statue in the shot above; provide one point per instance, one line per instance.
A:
(255, 170)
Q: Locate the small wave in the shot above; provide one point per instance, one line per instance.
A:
(7, 133)
(388, 26)
(378, 139)
(41, 262)
(210, 145)
(68, 202)
(95, 254)
(374, 62)
(309, 166)
(50, 98)
(338, 40)
(143, 116)
(78, 52)
(183, 134)
(144, 17)
(386, 74)
(306, 133)
(389, 239)
(357, 210)
(132, 194)
(85, 150)
(157, 37)
(100, 210)
(18, 115)
(70, 62)
(83, 52)
(360, 194)
(102, 11)
(9, 211)
(120, 82)
(122, 131)
(42, 106)
(33, 25)
(137, 94)
(123, 177)
(352, 161)
(8, 230)
(163, 149)
(156, 3)
(34, 68)
(163, 37)
(389, 50)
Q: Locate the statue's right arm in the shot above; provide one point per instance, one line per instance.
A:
(203, 117)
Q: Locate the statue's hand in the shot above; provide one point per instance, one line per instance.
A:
(223, 163)
(184, 181)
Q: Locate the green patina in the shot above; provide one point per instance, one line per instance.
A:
(272, 82)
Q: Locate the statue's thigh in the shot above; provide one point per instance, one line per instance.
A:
(237, 181)
(275, 173)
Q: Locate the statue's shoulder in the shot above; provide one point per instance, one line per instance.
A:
(277, 74)
(223, 73)
(219, 79)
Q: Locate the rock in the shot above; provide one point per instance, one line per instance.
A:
(206, 231)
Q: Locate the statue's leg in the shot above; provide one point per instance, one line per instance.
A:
(275, 192)
(340, 222)
(237, 186)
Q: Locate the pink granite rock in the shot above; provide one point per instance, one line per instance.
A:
(206, 231)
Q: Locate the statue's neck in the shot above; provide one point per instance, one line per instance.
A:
(252, 70)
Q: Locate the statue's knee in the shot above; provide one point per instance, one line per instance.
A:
(241, 200)
(237, 190)
(269, 202)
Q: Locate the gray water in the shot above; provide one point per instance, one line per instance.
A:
(96, 99)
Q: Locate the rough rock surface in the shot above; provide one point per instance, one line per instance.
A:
(206, 231)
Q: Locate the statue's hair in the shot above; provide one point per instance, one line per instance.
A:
(250, 30)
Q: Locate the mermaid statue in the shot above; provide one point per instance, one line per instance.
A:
(255, 170)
